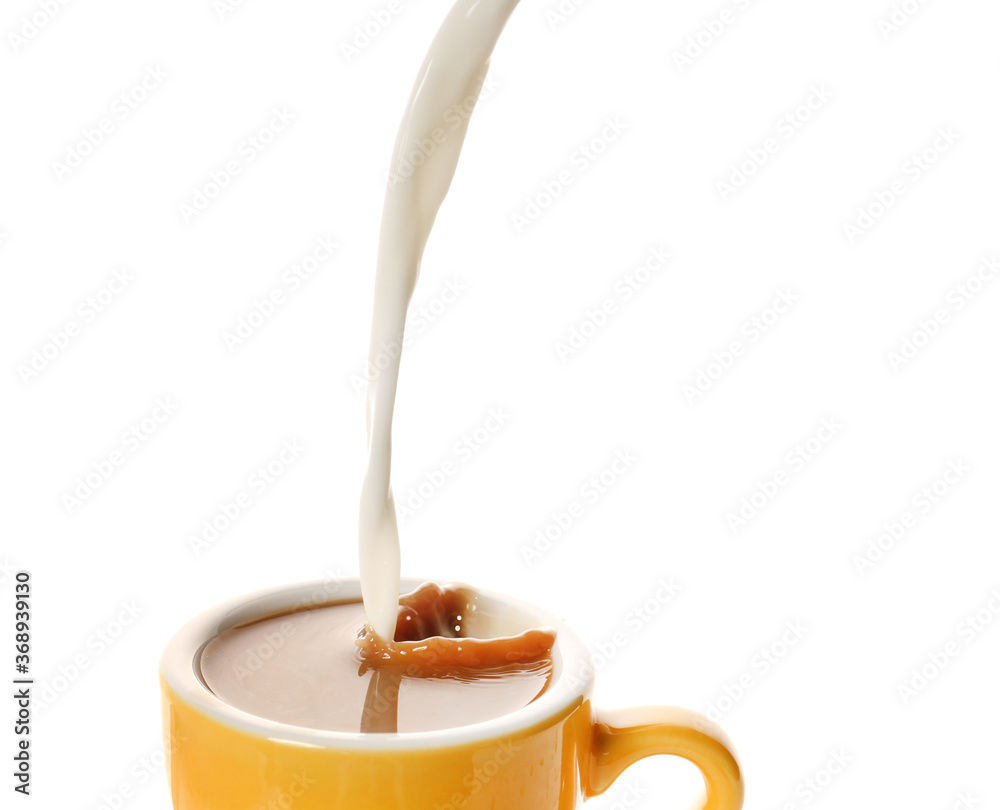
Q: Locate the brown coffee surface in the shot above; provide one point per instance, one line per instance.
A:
(322, 669)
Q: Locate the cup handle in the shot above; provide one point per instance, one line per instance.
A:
(625, 736)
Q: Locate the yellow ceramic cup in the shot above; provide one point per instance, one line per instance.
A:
(551, 755)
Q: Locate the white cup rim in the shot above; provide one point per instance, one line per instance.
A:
(571, 685)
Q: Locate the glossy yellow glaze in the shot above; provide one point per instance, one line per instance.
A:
(625, 736)
(552, 766)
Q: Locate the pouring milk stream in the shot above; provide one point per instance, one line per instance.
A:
(453, 71)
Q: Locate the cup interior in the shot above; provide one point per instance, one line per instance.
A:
(495, 615)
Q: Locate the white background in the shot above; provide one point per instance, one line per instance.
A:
(836, 690)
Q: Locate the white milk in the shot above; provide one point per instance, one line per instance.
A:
(453, 71)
